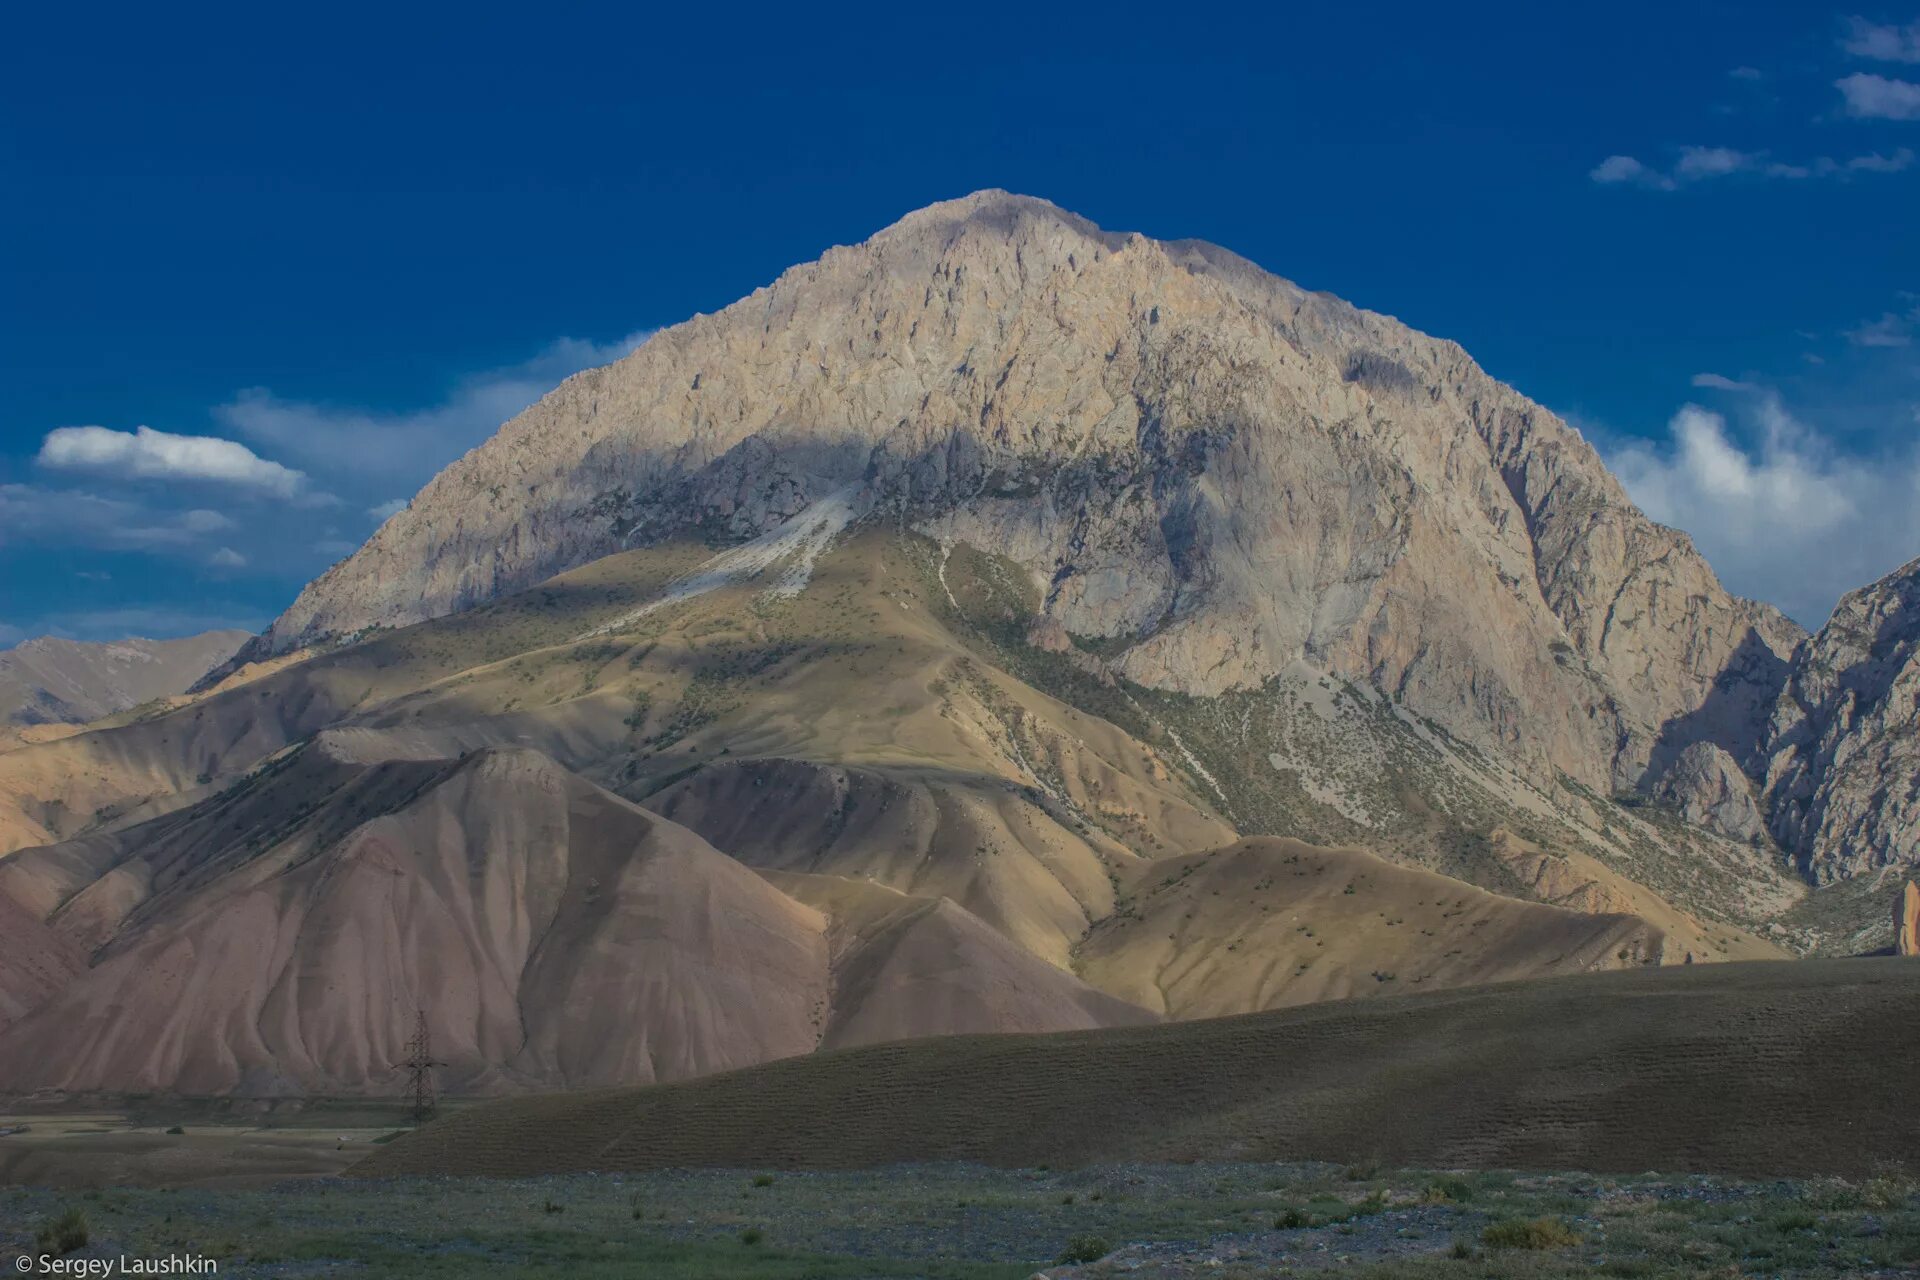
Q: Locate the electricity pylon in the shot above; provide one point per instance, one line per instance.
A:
(419, 1066)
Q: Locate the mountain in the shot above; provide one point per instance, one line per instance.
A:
(1842, 749)
(1209, 470)
(1001, 625)
(54, 681)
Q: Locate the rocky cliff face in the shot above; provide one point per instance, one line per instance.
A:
(1906, 921)
(1214, 470)
(1843, 748)
(1708, 789)
(53, 681)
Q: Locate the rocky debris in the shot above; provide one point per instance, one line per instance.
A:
(1843, 747)
(1182, 447)
(1906, 921)
(1708, 790)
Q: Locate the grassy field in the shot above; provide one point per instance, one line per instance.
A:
(1154, 1222)
(1783, 1068)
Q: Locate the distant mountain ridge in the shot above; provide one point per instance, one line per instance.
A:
(54, 681)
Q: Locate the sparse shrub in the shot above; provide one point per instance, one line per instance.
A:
(176, 1131)
(639, 1207)
(1461, 1249)
(1363, 1172)
(1447, 1191)
(64, 1234)
(1888, 1192)
(1795, 1220)
(762, 1179)
(1067, 1198)
(1375, 1202)
(751, 1236)
(1084, 1249)
(1292, 1220)
(1529, 1233)
(552, 1206)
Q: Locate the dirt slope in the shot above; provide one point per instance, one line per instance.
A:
(905, 967)
(1266, 923)
(553, 933)
(1763, 1068)
(35, 961)
(278, 938)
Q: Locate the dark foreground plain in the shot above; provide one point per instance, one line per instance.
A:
(1763, 1069)
(961, 1222)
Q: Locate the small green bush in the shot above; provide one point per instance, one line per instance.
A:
(1447, 1191)
(1529, 1233)
(176, 1131)
(1461, 1249)
(762, 1179)
(751, 1236)
(64, 1234)
(1291, 1220)
(1084, 1249)
(552, 1206)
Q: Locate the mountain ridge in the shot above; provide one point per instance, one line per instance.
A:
(49, 680)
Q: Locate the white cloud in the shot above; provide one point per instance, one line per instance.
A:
(227, 558)
(387, 510)
(1889, 330)
(1720, 383)
(1704, 164)
(1787, 517)
(413, 445)
(10, 635)
(200, 520)
(68, 517)
(1616, 170)
(1902, 158)
(336, 548)
(1746, 73)
(1883, 43)
(1872, 97)
(146, 454)
(1696, 163)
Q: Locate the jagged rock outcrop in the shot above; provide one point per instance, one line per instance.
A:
(1190, 452)
(54, 681)
(1843, 748)
(1707, 787)
(1906, 921)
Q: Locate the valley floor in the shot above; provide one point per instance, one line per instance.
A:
(962, 1221)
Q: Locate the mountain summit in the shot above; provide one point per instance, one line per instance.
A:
(1213, 472)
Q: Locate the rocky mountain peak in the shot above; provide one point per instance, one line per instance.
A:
(1843, 745)
(1209, 469)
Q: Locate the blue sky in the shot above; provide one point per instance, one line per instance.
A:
(318, 254)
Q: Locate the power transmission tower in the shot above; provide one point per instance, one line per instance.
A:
(419, 1066)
